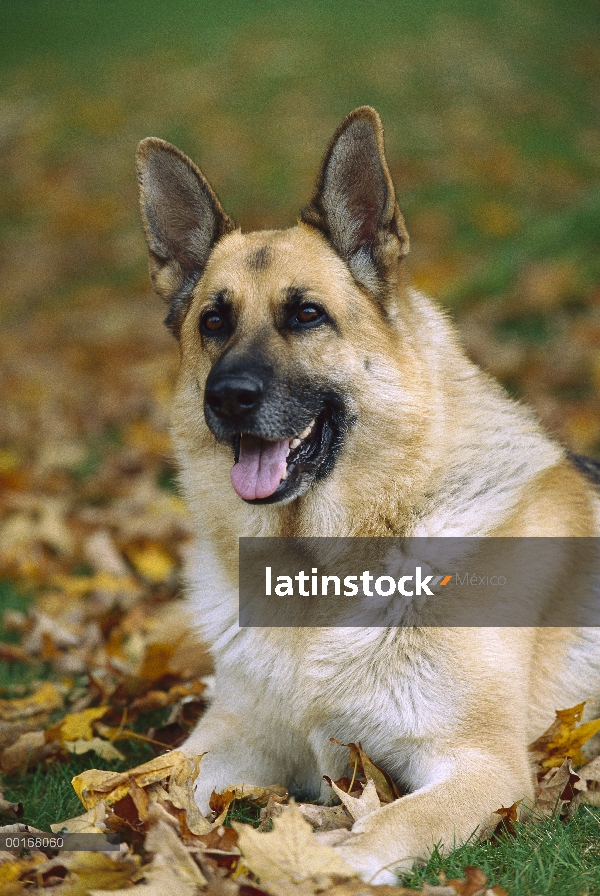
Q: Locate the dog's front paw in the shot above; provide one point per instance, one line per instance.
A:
(367, 861)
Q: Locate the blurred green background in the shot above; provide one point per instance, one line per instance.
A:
(493, 139)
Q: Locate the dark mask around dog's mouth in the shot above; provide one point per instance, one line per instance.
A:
(266, 472)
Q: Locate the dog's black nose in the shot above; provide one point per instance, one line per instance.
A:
(233, 397)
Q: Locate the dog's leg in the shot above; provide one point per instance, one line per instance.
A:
(459, 795)
(237, 752)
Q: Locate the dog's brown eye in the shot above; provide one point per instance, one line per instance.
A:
(309, 314)
(212, 321)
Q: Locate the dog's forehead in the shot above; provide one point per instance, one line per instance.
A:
(263, 266)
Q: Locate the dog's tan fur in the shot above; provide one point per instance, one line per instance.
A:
(434, 448)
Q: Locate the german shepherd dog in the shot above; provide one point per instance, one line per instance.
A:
(320, 395)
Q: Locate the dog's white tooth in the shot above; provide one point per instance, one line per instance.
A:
(284, 475)
(294, 443)
(305, 433)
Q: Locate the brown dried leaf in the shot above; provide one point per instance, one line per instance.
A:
(13, 653)
(8, 809)
(10, 732)
(254, 794)
(360, 762)
(158, 699)
(30, 749)
(589, 773)
(550, 794)
(475, 884)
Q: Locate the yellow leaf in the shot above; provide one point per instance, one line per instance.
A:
(44, 699)
(143, 436)
(155, 662)
(12, 870)
(289, 853)
(564, 738)
(97, 870)
(78, 725)
(95, 785)
(9, 460)
(79, 586)
(152, 562)
(102, 747)
(569, 743)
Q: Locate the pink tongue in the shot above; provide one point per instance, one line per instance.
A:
(260, 467)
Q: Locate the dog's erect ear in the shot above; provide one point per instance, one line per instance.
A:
(354, 203)
(183, 219)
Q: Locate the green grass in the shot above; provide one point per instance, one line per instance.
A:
(46, 791)
(549, 857)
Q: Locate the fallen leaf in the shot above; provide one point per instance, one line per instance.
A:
(95, 870)
(588, 774)
(508, 818)
(13, 869)
(95, 785)
(91, 822)
(155, 662)
(10, 732)
(289, 853)
(77, 726)
(28, 750)
(368, 801)
(475, 884)
(101, 552)
(252, 793)
(551, 789)
(361, 764)
(151, 561)
(171, 855)
(13, 653)
(564, 738)
(103, 748)
(44, 699)
(159, 884)
(8, 809)
(324, 818)
(158, 699)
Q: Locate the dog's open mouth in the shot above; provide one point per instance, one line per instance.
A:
(269, 471)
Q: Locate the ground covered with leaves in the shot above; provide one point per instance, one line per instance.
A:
(493, 141)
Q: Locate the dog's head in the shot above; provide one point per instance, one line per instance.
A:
(283, 333)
